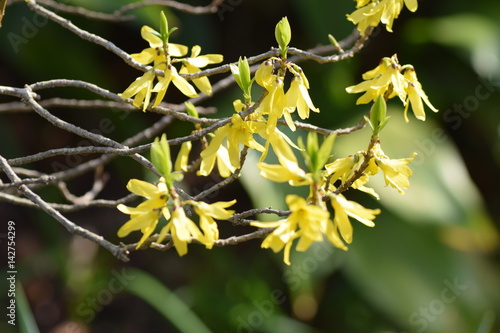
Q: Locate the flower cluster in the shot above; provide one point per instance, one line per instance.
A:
(161, 54)
(163, 201)
(325, 213)
(390, 79)
(370, 13)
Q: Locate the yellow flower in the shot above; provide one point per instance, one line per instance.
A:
(396, 172)
(195, 62)
(386, 77)
(345, 208)
(264, 75)
(142, 89)
(237, 132)
(145, 216)
(307, 222)
(297, 97)
(390, 79)
(416, 95)
(143, 86)
(207, 214)
(182, 230)
(371, 12)
(155, 52)
(171, 75)
(288, 170)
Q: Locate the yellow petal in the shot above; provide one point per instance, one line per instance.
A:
(181, 84)
(145, 57)
(142, 188)
(147, 34)
(182, 161)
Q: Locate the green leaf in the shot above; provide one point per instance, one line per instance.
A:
(325, 151)
(166, 302)
(164, 32)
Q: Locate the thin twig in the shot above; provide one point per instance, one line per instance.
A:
(117, 251)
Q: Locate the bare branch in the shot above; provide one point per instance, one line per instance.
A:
(210, 9)
(117, 251)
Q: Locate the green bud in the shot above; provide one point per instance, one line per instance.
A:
(191, 110)
(160, 156)
(334, 42)
(283, 35)
(378, 115)
(241, 74)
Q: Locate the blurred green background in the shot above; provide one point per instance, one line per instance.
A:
(431, 263)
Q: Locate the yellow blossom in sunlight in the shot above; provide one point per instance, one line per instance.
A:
(386, 77)
(390, 79)
(416, 95)
(238, 132)
(288, 170)
(145, 216)
(343, 169)
(297, 97)
(371, 12)
(141, 88)
(155, 53)
(396, 171)
(182, 230)
(195, 62)
(207, 214)
(345, 208)
(307, 222)
(171, 75)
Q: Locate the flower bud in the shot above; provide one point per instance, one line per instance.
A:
(283, 35)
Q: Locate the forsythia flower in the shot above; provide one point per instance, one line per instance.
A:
(207, 214)
(288, 170)
(160, 55)
(145, 216)
(307, 222)
(182, 229)
(371, 12)
(142, 89)
(416, 95)
(155, 53)
(345, 208)
(237, 132)
(193, 64)
(279, 104)
(388, 80)
(171, 75)
(343, 169)
(396, 172)
(297, 97)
